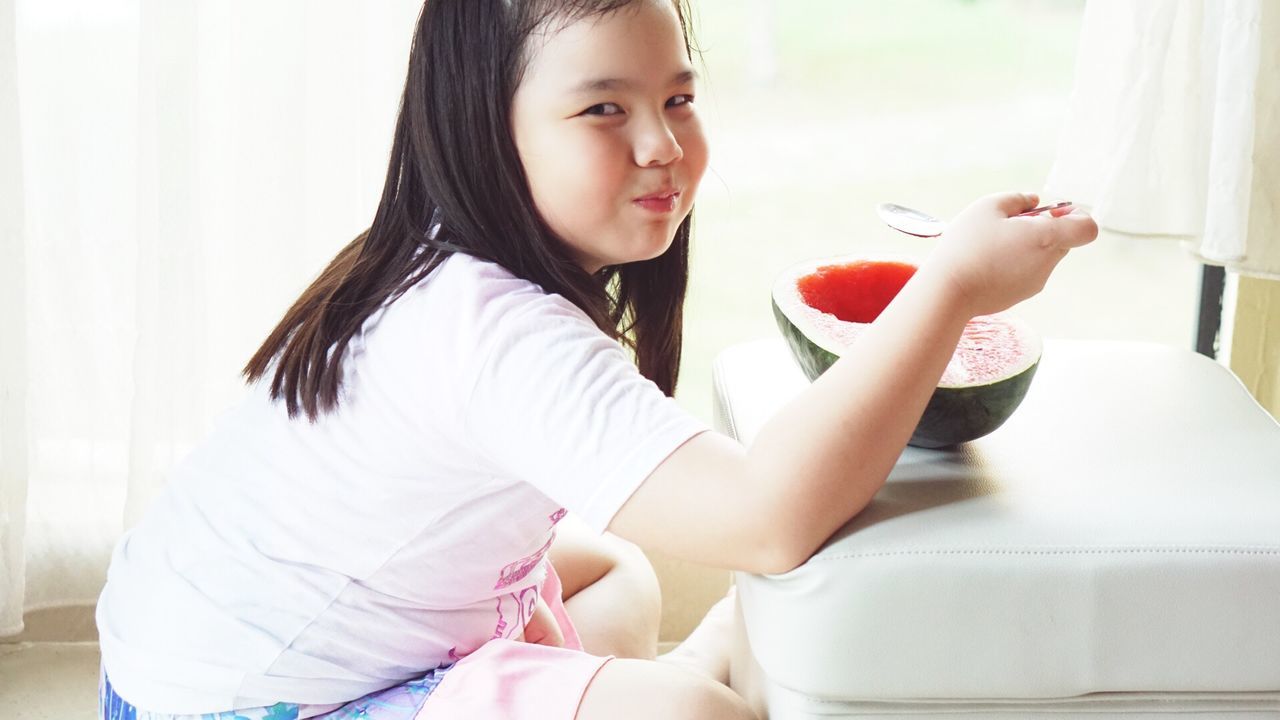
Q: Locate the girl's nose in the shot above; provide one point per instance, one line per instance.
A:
(656, 145)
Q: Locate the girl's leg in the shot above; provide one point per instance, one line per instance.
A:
(610, 591)
(643, 690)
(708, 647)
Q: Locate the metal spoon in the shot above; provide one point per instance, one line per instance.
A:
(914, 222)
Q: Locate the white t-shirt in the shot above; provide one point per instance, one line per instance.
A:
(314, 563)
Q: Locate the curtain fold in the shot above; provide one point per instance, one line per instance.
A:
(1171, 128)
(172, 174)
(13, 338)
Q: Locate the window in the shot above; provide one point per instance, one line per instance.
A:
(818, 111)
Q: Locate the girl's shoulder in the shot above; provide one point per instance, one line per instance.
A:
(471, 285)
(485, 272)
(464, 276)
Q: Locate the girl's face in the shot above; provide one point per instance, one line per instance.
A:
(606, 129)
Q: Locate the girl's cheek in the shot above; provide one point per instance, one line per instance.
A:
(605, 161)
(696, 154)
(691, 136)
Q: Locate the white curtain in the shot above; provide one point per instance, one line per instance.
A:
(1174, 126)
(172, 174)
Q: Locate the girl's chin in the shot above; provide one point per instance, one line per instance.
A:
(656, 248)
(637, 249)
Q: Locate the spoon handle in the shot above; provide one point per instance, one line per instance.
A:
(1044, 208)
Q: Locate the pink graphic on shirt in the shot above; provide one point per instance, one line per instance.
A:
(526, 602)
(517, 571)
(500, 629)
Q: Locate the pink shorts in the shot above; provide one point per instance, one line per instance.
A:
(510, 680)
(502, 680)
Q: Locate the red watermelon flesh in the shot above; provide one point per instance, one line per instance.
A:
(854, 294)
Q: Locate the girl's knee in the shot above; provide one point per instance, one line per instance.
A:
(713, 700)
(633, 561)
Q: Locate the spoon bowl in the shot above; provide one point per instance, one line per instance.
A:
(910, 221)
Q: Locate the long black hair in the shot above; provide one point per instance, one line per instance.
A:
(456, 184)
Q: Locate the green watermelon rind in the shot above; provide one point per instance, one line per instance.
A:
(954, 414)
(959, 414)
(813, 358)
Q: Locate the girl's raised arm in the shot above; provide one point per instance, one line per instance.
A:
(819, 461)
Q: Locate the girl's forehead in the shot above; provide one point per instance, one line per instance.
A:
(641, 39)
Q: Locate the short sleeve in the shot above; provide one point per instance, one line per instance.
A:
(558, 404)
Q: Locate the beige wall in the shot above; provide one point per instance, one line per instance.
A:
(1255, 340)
(688, 591)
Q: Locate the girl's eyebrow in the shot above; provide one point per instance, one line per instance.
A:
(681, 78)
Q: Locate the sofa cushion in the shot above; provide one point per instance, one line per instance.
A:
(1121, 533)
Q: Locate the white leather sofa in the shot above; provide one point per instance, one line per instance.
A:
(1112, 551)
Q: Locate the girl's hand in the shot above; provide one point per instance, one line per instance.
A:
(542, 628)
(993, 260)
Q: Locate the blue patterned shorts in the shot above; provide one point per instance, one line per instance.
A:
(399, 702)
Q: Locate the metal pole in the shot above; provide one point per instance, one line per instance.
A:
(1212, 282)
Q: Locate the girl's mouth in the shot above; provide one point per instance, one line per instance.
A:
(660, 202)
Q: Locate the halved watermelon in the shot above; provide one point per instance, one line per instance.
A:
(821, 307)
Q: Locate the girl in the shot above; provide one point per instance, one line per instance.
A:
(372, 532)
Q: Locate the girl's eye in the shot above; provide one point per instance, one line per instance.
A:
(603, 109)
(680, 100)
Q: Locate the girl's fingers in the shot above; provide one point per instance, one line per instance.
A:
(1076, 229)
(1067, 227)
(1013, 203)
(542, 628)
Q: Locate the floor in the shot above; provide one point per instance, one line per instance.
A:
(48, 681)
